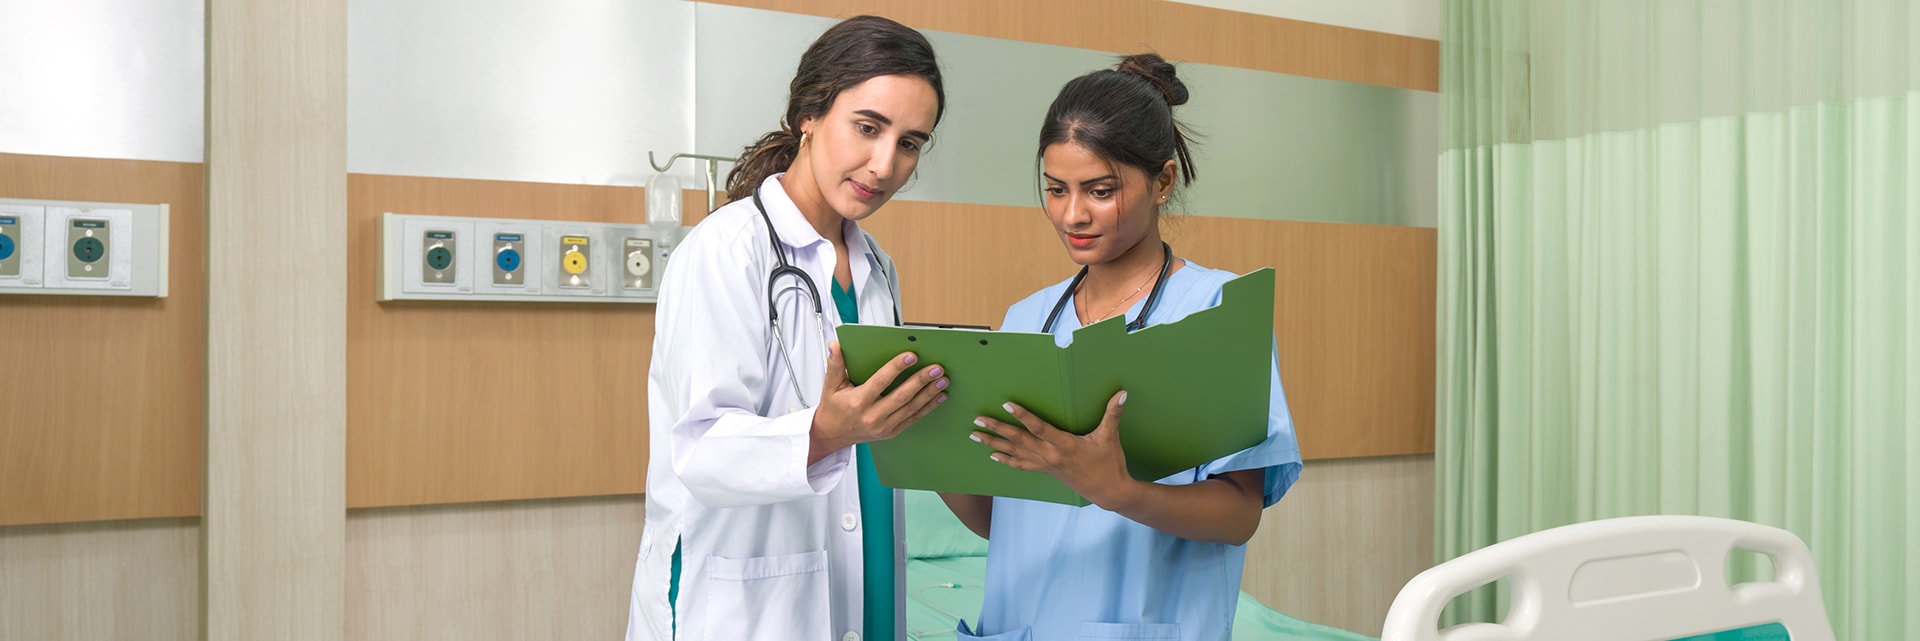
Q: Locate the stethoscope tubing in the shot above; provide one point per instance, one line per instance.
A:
(785, 268)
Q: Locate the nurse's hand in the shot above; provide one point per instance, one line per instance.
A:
(850, 414)
(1089, 464)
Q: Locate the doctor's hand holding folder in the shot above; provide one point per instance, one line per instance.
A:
(1197, 390)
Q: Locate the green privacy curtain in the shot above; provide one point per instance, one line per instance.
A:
(1680, 273)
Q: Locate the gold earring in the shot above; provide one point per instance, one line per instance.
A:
(803, 139)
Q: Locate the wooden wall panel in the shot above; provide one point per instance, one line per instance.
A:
(1178, 31)
(452, 402)
(461, 402)
(102, 398)
(1354, 313)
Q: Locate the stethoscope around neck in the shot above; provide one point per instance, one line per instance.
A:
(784, 268)
(1153, 297)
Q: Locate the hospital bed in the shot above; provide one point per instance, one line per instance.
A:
(1645, 578)
(947, 566)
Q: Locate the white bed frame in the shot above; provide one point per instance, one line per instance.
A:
(1643, 578)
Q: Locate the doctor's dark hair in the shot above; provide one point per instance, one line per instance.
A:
(1125, 115)
(852, 52)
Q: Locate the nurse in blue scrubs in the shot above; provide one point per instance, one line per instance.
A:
(1148, 560)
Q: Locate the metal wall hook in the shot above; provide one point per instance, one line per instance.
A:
(713, 172)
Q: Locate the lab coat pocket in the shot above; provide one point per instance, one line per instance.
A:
(1091, 631)
(767, 598)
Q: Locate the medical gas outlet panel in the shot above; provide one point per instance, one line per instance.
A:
(501, 259)
(68, 248)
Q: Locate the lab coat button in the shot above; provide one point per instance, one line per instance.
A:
(850, 636)
(848, 522)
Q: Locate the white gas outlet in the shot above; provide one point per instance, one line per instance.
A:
(639, 263)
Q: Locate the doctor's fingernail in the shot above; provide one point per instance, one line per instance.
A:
(941, 385)
(911, 359)
(1008, 407)
(980, 422)
(974, 436)
(935, 371)
(940, 399)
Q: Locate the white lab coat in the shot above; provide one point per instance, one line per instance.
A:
(770, 547)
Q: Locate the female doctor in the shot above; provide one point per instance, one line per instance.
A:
(763, 520)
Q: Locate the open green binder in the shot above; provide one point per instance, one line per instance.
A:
(1197, 390)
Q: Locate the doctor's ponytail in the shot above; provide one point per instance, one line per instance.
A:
(852, 52)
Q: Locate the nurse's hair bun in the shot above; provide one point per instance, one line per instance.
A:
(1157, 72)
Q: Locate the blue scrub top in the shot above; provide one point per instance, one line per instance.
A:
(1060, 572)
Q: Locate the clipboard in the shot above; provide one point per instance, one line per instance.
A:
(1197, 389)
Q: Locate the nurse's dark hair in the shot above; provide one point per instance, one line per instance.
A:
(852, 52)
(1124, 115)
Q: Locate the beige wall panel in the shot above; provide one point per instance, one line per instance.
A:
(110, 581)
(1178, 31)
(274, 520)
(1344, 541)
(1354, 310)
(505, 571)
(127, 445)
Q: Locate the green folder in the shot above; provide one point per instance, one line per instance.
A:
(1197, 390)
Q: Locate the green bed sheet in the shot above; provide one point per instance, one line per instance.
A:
(941, 591)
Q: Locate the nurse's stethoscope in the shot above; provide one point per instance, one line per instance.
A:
(1153, 298)
(785, 268)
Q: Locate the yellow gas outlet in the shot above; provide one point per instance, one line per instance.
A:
(575, 260)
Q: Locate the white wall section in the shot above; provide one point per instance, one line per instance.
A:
(572, 92)
(103, 78)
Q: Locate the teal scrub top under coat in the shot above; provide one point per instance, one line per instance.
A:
(876, 506)
(1061, 572)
